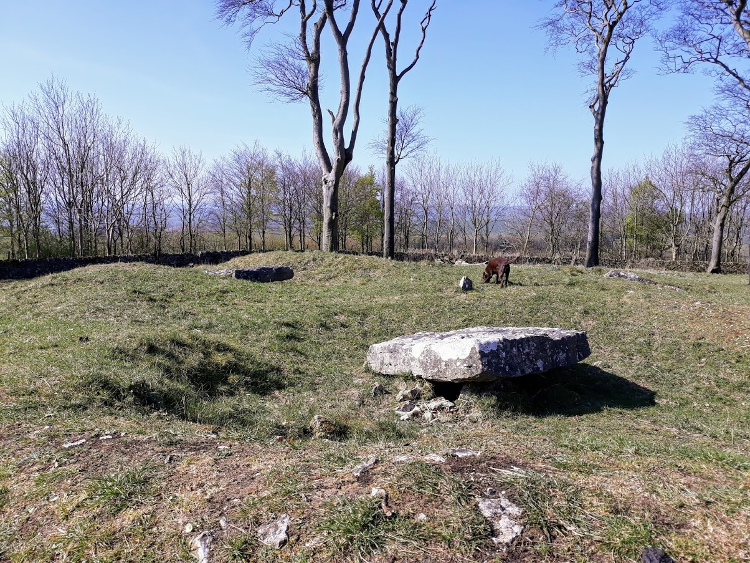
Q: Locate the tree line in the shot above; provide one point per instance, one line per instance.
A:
(77, 182)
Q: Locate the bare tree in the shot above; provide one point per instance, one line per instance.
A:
(287, 185)
(186, 172)
(673, 176)
(604, 32)
(220, 196)
(550, 197)
(724, 136)
(395, 76)
(713, 35)
(483, 186)
(26, 176)
(292, 72)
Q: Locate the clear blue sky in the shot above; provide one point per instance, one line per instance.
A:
(487, 84)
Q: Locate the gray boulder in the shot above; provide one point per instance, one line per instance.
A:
(480, 353)
(265, 274)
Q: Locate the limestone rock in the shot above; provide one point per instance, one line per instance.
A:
(503, 516)
(480, 353)
(364, 467)
(265, 274)
(409, 394)
(275, 533)
(200, 546)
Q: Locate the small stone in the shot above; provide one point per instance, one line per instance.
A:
(362, 468)
(76, 443)
(502, 515)
(275, 533)
(378, 492)
(413, 394)
(655, 555)
(378, 390)
(439, 404)
(463, 452)
(200, 546)
(435, 458)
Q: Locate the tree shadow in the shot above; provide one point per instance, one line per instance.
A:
(180, 371)
(571, 391)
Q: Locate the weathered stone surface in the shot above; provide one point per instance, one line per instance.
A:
(480, 353)
(265, 274)
(503, 516)
(275, 533)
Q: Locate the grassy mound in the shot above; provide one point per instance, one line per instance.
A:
(143, 404)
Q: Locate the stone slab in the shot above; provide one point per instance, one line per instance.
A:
(265, 274)
(479, 354)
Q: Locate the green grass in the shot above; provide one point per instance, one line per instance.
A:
(646, 441)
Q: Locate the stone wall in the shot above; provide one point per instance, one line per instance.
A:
(25, 269)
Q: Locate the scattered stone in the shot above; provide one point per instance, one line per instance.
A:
(438, 404)
(408, 410)
(479, 353)
(73, 444)
(463, 452)
(503, 516)
(265, 274)
(377, 492)
(655, 555)
(630, 276)
(322, 427)
(409, 394)
(435, 458)
(403, 458)
(466, 284)
(636, 278)
(363, 468)
(275, 533)
(460, 262)
(200, 546)
(378, 390)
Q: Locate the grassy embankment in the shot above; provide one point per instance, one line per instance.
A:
(194, 394)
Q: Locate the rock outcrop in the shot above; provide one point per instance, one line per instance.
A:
(479, 354)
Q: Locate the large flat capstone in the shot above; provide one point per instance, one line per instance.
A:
(479, 353)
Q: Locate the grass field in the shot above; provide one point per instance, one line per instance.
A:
(141, 405)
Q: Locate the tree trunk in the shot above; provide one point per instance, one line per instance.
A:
(717, 240)
(330, 242)
(389, 231)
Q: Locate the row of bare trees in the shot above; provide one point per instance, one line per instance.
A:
(75, 182)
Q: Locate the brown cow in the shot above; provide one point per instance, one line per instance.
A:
(499, 267)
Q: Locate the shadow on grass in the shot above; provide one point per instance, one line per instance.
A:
(187, 376)
(577, 390)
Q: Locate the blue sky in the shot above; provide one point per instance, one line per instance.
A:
(488, 85)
